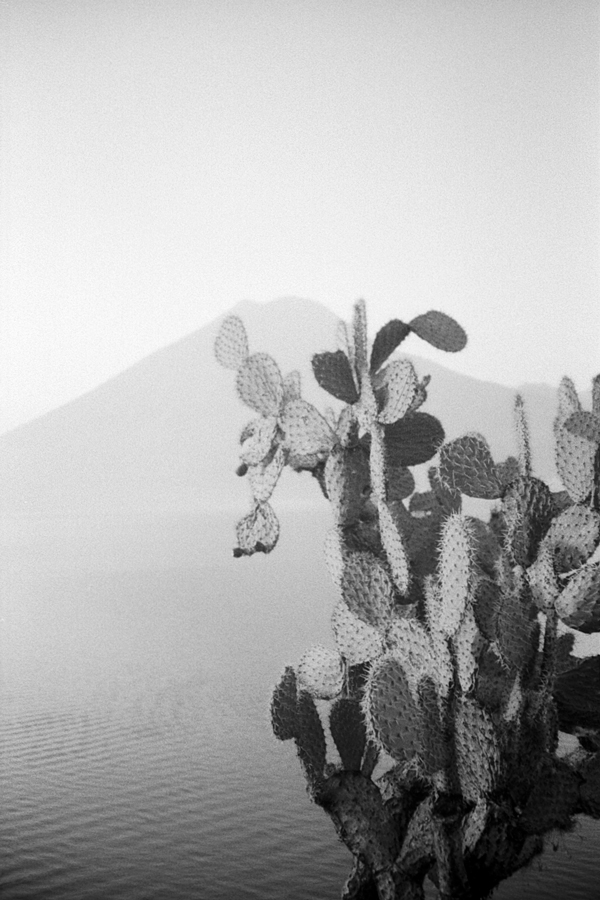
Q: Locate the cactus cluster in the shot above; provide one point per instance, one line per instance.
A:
(450, 669)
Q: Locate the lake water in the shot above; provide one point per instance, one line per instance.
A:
(136, 754)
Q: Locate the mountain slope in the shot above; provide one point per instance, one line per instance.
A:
(162, 436)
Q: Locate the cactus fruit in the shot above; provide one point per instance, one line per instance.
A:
(447, 654)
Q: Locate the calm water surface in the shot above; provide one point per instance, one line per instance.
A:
(136, 754)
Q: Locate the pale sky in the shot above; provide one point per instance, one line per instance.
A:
(162, 160)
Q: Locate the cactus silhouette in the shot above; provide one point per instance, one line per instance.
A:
(450, 675)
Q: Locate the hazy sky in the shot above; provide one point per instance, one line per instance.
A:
(162, 160)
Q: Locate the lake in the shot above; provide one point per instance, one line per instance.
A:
(136, 753)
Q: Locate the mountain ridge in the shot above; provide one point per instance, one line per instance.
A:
(161, 435)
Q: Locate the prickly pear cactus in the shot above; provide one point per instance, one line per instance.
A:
(447, 674)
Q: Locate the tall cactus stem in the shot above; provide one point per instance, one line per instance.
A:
(523, 442)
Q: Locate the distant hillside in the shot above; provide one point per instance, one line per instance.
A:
(162, 436)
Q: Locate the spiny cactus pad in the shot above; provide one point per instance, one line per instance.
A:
(414, 439)
(394, 719)
(386, 340)
(231, 344)
(367, 589)
(284, 713)
(260, 385)
(579, 603)
(466, 465)
(355, 640)
(440, 331)
(575, 456)
(334, 374)
(348, 730)
(321, 672)
(396, 385)
(264, 477)
(257, 439)
(528, 509)
(456, 571)
(573, 537)
(258, 531)
(310, 739)
(477, 751)
(308, 437)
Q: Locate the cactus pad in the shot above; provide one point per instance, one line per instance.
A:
(575, 455)
(466, 465)
(477, 752)
(260, 385)
(263, 478)
(440, 331)
(284, 714)
(310, 739)
(414, 439)
(355, 640)
(466, 643)
(568, 401)
(321, 673)
(292, 385)
(348, 730)
(394, 719)
(573, 537)
(308, 437)
(528, 510)
(367, 588)
(258, 531)
(231, 344)
(411, 644)
(455, 567)
(257, 439)
(396, 385)
(516, 636)
(333, 373)
(579, 603)
(386, 340)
